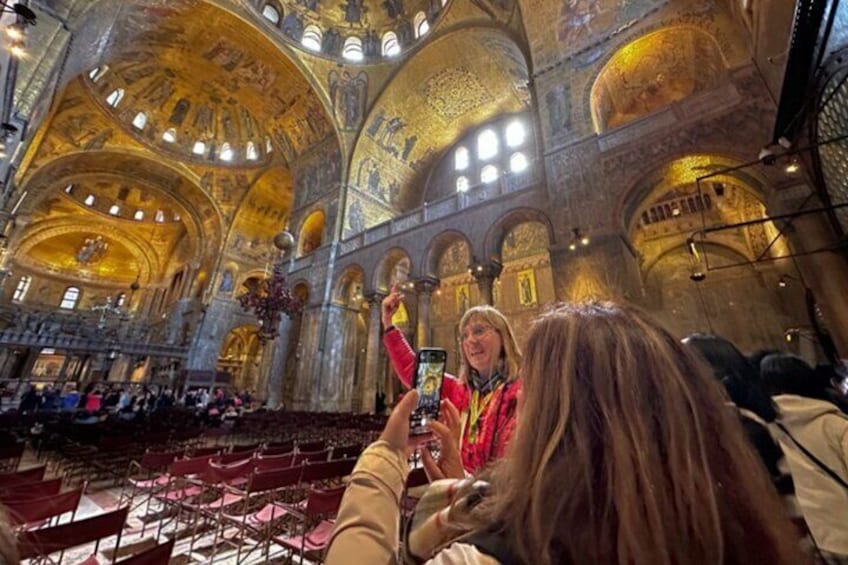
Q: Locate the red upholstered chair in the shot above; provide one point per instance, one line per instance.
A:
(39, 544)
(157, 555)
(269, 462)
(29, 513)
(31, 475)
(311, 530)
(31, 491)
(319, 445)
(275, 488)
(145, 478)
(311, 457)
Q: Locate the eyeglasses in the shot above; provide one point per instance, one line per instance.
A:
(477, 331)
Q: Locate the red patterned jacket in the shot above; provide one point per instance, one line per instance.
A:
(497, 422)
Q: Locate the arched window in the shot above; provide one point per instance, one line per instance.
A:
(420, 23)
(250, 152)
(69, 189)
(462, 184)
(22, 288)
(352, 50)
(139, 121)
(312, 37)
(271, 14)
(121, 299)
(115, 97)
(515, 134)
(139, 215)
(199, 148)
(160, 216)
(518, 162)
(489, 173)
(97, 73)
(177, 217)
(89, 200)
(226, 152)
(269, 148)
(70, 298)
(391, 46)
(461, 159)
(487, 144)
(170, 135)
(115, 210)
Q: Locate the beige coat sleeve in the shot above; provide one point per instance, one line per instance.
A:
(368, 524)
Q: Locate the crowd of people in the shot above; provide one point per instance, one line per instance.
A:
(97, 401)
(607, 441)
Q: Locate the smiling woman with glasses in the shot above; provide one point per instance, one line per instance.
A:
(485, 392)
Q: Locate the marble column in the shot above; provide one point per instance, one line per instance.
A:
(484, 275)
(372, 353)
(274, 357)
(425, 288)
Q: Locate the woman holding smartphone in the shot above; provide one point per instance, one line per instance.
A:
(486, 390)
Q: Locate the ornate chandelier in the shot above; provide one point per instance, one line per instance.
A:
(272, 297)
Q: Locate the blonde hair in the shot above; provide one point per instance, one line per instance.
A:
(510, 354)
(625, 452)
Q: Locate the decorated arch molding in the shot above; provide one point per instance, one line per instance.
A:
(206, 218)
(437, 247)
(382, 275)
(149, 262)
(496, 234)
(351, 274)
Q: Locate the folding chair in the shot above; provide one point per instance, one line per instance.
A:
(39, 544)
(157, 555)
(268, 462)
(179, 487)
(31, 475)
(302, 457)
(31, 491)
(325, 474)
(313, 528)
(276, 488)
(147, 477)
(27, 514)
(273, 451)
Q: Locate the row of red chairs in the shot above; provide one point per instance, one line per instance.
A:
(38, 545)
(279, 503)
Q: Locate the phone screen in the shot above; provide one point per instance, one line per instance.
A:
(429, 374)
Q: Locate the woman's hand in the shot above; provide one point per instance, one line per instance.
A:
(390, 305)
(449, 430)
(396, 432)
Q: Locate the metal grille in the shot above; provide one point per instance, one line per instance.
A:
(832, 123)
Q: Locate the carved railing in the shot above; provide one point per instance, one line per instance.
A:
(93, 332)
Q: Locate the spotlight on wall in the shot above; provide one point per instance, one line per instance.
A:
(792, 167)
(578, 238)
(783, 281)
(791, 334)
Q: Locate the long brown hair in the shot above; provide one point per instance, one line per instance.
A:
(625, 452)
(510, 355)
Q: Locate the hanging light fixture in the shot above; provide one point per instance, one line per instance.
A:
(578, 239)
(272, 297)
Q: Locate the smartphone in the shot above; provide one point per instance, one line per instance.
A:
(430, 366)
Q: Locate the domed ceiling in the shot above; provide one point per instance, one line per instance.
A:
(380, 28)
(88, 253)
(208, 77)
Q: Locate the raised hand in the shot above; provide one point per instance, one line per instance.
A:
(390, 305)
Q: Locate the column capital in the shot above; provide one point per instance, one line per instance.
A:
(375, 297)
(482, 271)
(426, 285)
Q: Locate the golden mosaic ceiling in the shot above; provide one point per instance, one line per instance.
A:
(368, 21)
(68, 253)
(215, 78)
(431, 102)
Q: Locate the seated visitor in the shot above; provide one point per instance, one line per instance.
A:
(624, 452)
(486, 389)
(814, 436)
